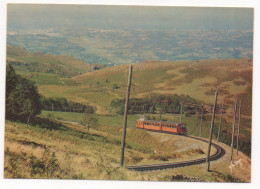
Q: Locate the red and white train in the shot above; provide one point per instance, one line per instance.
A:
(161, 126)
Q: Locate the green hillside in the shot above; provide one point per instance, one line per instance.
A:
(61, 65)
(30, 152)
(198, 79)
(53, 74)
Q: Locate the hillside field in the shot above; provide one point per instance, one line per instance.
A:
(78, 154)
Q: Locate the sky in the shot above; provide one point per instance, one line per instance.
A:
(38, 17)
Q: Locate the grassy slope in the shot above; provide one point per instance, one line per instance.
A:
(30, 153)
(46, 63)
(198, 79)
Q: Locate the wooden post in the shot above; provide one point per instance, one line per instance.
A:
(233, 130)
(220, 121)
(211, 131)
(70, 112)
(161, 111)
(181, 112)
(238, 124)
(201, 116)
(125, 115)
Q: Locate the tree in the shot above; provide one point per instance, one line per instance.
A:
(89, 120)
(22, 98)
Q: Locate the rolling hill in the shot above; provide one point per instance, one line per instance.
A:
(63, 76)
(65, 66)
(198, 79)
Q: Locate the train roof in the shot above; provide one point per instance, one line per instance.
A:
(154, 121)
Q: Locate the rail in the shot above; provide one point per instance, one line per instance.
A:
(218, 154)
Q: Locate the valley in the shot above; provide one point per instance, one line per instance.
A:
(125, 46)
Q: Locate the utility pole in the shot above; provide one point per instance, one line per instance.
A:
(125, 115)
(70, 113)
(220, 121)
(233, 130)
(211, 131)
(238, 124)
(201, 116)
(181, 112)
(161, 111)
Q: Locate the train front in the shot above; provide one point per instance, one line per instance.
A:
(182, 129)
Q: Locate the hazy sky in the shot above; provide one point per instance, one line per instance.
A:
(34, 17)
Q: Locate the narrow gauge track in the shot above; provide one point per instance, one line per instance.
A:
(219, 153)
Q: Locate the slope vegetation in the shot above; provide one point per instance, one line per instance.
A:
(61, 65)
(78, 154)
(199, 79)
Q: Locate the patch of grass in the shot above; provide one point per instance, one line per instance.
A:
(23, 165)
(109, 120)
(46, 79)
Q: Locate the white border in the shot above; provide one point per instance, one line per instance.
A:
(22, 183)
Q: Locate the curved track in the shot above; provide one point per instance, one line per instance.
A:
(219, 153)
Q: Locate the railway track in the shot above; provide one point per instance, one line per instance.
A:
(219, 153)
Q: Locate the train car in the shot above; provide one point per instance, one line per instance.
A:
(162, 126)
